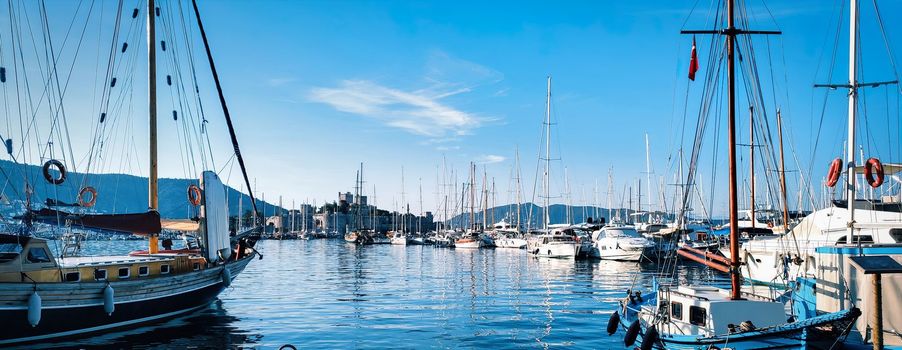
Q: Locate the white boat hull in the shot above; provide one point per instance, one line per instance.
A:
(558, 250)
(515, 243)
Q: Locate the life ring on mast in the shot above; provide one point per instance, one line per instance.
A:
(59, 167)
(194, 195)
(81, 197)
(872, 167)
(833, 174)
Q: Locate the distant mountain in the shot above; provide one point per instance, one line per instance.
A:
(116, 193)
(534, 214)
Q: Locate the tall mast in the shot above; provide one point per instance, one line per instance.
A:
(494, 219)
(853, 97)
(569, 201)
(610, 192)
(518, 189)
(152, 103)
(783, 174)
(752, 162)
(152, 178)
(485, 198)
(648, 174)
(734, 224)
(403, 201)
(420, 217)
(545, 179)
(731, 32)
(472, 196)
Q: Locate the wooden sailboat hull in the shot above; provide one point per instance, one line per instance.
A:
(77, 308)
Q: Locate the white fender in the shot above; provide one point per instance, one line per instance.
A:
(226, 276)
(109, 304)
(34, 309)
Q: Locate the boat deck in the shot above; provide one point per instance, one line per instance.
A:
(78, 261)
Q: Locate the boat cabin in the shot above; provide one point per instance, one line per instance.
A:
(708, 311)
(29, 259)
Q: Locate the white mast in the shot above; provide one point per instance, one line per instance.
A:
(648, 175)
(519, 199)
(420, 217)
(403, 202)
(545, 179)
(853, 95)
(569, 198)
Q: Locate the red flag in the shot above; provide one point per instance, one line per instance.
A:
(693, 64)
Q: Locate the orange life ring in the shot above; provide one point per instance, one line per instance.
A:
(81, 197)
(194, 195)
(833, 174)
(871, 167)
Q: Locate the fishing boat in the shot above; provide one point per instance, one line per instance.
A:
(44, 296)
(704, 317)
(622, 243)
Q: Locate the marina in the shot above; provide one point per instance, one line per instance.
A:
(374, 205)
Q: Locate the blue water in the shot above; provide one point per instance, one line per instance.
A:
(328, 294)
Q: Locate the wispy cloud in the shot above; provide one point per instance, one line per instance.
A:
(422, 111)
(414, 111)
(490, 159)
(280, 81)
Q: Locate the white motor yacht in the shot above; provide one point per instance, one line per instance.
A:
(621, 243)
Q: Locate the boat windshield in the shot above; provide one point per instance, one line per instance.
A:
(622, 232)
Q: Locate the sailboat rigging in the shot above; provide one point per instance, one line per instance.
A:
(106, 292)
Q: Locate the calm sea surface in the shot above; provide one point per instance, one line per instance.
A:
(329, 294)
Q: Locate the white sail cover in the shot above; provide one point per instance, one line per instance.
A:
(215, 214)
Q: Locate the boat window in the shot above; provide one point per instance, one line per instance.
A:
(676, 310)
(9, 251)
(857, 239)
(196, 266)
(38, 255)
(896, 234)
(164, 269)
(697, 315)
(99, 274)
(73, 276)
(143, 270)
(124, 272)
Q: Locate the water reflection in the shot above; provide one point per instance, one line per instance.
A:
(211, 327)
(329, 294)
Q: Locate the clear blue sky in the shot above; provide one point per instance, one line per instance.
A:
(316, 87)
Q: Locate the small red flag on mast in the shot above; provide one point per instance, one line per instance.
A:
(693, 63)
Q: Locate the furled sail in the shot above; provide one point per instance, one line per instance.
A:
(138, 223)
(215, 214)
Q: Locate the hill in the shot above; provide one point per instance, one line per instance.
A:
(116, 193)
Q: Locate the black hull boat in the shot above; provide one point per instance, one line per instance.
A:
(46, 295)
(80, 308)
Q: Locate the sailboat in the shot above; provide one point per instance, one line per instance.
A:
(704, 317)
(360, 235)
(470, 239)
(813, 257)
(559, 242)
(45, 296)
